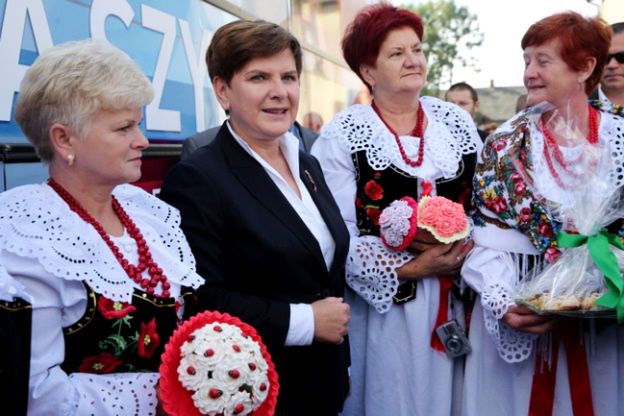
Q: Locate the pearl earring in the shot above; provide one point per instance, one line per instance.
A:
(70, 159)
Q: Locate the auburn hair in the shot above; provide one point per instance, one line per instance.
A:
(363, 37)
(580, 38)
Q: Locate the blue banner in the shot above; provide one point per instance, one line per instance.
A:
(167, 38)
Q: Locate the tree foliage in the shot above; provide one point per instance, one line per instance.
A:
(449, 29)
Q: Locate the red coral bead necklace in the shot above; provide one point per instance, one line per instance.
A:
(550, 144)
(416, 132)
(146, 262)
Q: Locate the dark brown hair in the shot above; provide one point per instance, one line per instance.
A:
(235, 44)
(580, 38)
(464, 86)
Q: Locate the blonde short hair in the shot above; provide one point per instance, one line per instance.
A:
(73, 81)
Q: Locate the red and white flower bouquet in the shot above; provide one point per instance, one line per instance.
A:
(443, 218)
(216, 365)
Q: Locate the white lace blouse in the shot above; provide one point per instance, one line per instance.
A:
(47, 251)
(450, 134)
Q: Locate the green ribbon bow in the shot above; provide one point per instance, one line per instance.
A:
(604, 259)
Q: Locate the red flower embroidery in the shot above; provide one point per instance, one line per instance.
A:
(149, 340)
(516, 177)
(373, 214)
(373, 190)
(427, 188)
(499, 144)
(552, 255)
(545, 229)
(497, 204)
(519, 188)
(111, 309)
(103, 363)
(525, 214)
(358, 203)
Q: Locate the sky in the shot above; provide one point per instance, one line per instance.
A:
(503, 23)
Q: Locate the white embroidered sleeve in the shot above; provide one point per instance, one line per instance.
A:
(371, 271)
(493, 274)
(370, 265)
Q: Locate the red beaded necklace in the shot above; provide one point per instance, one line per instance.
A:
(416, 132)
(145, 257)
(550, 144)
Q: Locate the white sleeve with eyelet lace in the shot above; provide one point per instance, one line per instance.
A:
(371, 270)
(370, 265)
(494, 274)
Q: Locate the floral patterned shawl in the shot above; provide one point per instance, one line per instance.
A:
(502, 187)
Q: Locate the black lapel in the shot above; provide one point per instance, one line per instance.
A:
(309, 174)
(258, 183)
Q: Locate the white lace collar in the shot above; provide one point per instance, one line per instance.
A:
(450, 134)
(36, 223)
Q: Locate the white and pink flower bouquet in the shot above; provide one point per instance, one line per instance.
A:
(216, 365)
(444, 219)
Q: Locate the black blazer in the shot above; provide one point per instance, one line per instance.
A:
(202, 138)
(258, 256)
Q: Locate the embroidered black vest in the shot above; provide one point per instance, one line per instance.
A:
(119, 337)
(377, 189)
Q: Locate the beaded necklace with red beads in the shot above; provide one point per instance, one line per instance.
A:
(416, 132)
(145, 256)
(550, 143)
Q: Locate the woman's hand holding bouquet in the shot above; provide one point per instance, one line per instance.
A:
(434, 228)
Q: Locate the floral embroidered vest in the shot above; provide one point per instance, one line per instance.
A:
(119, 337)
(377, 189)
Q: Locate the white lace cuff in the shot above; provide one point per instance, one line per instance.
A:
(513, 346)
(371, 271)
(495, 275)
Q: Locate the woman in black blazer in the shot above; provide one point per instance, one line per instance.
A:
(265, 230)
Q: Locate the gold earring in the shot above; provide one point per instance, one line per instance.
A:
(70, 159)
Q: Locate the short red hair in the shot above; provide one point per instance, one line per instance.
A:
(580, 38)
(370, 28)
